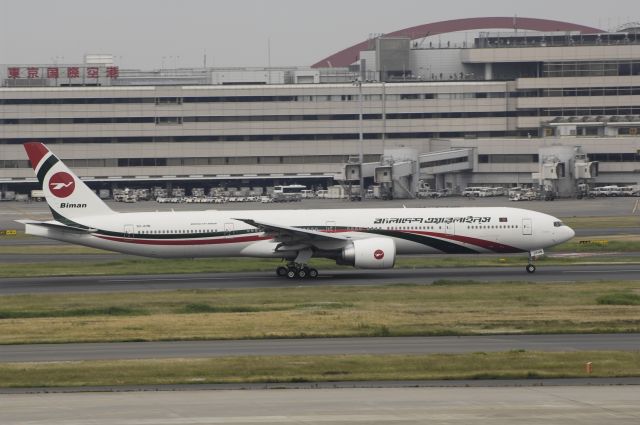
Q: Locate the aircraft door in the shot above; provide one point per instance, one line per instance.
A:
(228, 229)
(128, 231)
(450, 228)
(526, 226)
(330, 226)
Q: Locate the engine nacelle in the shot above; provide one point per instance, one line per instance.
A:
(372, 253)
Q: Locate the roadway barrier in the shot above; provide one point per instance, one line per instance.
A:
(596, 242)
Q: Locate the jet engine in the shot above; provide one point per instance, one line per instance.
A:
(372, 253)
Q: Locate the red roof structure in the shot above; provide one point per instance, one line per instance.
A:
(350, 55)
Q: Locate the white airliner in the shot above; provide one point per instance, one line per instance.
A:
(364, 238)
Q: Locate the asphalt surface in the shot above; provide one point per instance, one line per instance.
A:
(437, 383)
(318, 346)
(567, 405)
(136, 283)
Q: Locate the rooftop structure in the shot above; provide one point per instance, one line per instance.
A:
(351, 54)
(476, 111)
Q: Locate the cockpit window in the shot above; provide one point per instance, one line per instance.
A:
(558, 224)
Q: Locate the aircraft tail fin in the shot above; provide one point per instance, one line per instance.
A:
(68, 197)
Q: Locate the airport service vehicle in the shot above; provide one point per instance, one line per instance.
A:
(364, 238)
(471, 191)
(612, 190)
(290, 193)
(609, 191)
(630, 191)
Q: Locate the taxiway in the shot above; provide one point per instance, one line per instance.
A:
(318, 346)
(584, 405)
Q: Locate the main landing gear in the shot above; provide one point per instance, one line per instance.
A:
(295, 270)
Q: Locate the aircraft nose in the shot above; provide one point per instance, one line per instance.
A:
(564, 234)
(561, 232)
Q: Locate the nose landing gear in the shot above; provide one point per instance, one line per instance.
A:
(295, 270)
(532, 257)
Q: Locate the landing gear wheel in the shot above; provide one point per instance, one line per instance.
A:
(302, 273)
(531, 268)
(281, 271)
(313, 273)
(291, 273)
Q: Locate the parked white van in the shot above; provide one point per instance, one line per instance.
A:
(472, 191)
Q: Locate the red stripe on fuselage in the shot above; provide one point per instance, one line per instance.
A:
(222, 240)
(489, 245)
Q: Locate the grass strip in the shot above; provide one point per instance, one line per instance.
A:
(73, 312)
(619, 298)
(254, 369)
(599, 244)
(61, 249)
(467, 307)
(602, 222)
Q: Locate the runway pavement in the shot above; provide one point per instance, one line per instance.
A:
(136, 283)
(318, 346)
(568, 405)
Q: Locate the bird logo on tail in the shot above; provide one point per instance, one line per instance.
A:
(62, 184)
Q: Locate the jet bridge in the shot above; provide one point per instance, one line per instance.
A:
(437, 165)
(352, 170)
(397, 173)
(448, 161)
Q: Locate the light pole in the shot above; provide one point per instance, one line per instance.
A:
(384, 115)
(360, 138)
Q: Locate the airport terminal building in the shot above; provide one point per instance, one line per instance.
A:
(491, 108)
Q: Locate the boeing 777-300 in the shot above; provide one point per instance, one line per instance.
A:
(364, 238)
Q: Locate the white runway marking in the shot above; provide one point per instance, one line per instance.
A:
(600, 271)
(182, 279)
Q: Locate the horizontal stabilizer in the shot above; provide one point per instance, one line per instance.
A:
(57, 226)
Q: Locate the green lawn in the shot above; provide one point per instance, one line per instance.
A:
(445, 308)
(504, 365)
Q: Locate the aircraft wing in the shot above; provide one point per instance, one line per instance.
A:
(293, 234)
(57, 226)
